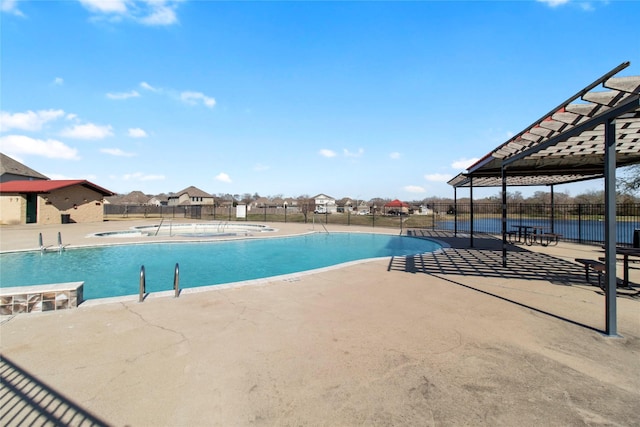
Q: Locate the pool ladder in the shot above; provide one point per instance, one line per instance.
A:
(143, 283)
(43, 248)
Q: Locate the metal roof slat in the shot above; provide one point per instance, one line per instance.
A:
(566, 117)
(554, 125)
(531, 137)
(608, 98)
(539, 130)
(589, 109)
(629, 84)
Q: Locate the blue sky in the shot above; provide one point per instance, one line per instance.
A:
(350, 99)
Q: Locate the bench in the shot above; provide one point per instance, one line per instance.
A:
(592, 264)
(548, 238)
(511, 236)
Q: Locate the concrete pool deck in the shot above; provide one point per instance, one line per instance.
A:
(441, 339)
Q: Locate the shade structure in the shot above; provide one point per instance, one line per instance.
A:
(567, 144)
(585, 137)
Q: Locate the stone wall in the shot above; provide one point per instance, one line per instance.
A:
(39, 298)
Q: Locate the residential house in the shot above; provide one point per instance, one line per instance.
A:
(190, 196)
(396, 207)
(135, 198)
(51, 201)
(325, 204)
(159, 200)
(362, 208)
(260, 202)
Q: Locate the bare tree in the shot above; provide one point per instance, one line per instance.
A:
(630, 181)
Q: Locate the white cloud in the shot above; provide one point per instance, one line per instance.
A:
(139, 176)
(105, 6)
(161, 14)
(223, 177)
(89, 177)
(395, 155)
(123, 95)
(358, 153)
(137, 133)
(464, 164)
(30, 121)
(116, 152)
(87, 131)
(587, 7)
(147, 86)
(414, 189)
(146, 12)
(58, 81)
(10, 6)
(192, 98)
(438, 177)
(327, 153)
(260, 167)
(553, 3)
(51, 148)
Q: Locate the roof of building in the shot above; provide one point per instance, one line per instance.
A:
(568, 143)
(192, 192)
(322, 196)
(135, 198)
(14, 167)
(396, 204)
(47, 186)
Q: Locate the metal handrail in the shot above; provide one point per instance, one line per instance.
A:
(160, 226)
(43, 248)
(60, 245)
(143, 284)
(176, 281)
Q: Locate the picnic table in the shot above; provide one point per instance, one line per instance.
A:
(626, 253)
(599, 266)
(531, 234)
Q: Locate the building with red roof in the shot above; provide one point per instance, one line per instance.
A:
(51, 201)
(396, 207)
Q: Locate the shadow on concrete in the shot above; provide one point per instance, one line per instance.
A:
(27, 401)
(485, 260)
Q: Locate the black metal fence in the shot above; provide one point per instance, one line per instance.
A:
(581, 223)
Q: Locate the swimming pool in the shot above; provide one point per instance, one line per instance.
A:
(110, 271)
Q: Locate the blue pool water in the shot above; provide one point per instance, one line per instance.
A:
(110, 271)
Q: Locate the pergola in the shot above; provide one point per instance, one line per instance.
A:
(585, 137)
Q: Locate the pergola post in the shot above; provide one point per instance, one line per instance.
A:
(553, 211)
(471, 210)
(455, 211)
(504, 216)
(610, 227)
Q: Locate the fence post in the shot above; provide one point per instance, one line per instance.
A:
(579, 223)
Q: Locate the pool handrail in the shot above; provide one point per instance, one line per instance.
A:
(176, 281)
(143, 284)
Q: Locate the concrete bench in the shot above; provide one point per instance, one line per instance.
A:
(592, 264)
